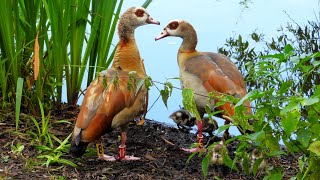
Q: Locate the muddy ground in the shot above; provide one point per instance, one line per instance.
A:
(159, 158)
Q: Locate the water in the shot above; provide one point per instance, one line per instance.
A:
(214, 21)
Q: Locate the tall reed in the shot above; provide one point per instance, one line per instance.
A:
(71, 40)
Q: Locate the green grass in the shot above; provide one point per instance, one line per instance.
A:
(74, 41)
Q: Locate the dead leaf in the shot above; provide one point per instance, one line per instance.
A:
(149, 157)
(36, 62)
(141, 122)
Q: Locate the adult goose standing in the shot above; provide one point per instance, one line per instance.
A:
(206, 72)
(112, 100)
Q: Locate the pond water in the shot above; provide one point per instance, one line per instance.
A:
(214, 21)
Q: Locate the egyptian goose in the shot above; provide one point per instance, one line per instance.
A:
(112, 100)
(255, 155)
(218, 152)
(205, 72)
(183, 118)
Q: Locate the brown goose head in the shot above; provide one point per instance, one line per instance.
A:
(133, 18)
(182, 29)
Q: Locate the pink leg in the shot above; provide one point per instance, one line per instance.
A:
(122, 149)
(199, 140)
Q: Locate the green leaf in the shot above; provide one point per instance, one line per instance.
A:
(285, 86)
(165, 96)
(43, 148)
(67, 162)
(256, 166)
(315, 147)
(277, 153)
(257, 136)
(290, 121)
(290, 107)
(301, 162)
(288, 48)
(315, 128)
(18, 100)
(245, 164)
(189, 103)
(205, 165)
(247, 96)
(146, 3)
(274, 176)
(229, 162)
(222, 128)
(315, 63)
(304, 136)
(309, 101)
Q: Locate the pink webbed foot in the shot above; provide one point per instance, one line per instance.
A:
(123, 157)
(193, 150)
(129, 158)
(107, 158)
(196, 149)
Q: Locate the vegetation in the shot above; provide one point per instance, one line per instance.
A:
(284, 85)
(41, 45)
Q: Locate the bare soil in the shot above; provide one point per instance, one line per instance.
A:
(151, 142)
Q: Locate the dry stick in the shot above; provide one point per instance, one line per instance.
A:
(167, 141)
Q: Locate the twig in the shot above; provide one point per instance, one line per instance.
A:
(167, 141)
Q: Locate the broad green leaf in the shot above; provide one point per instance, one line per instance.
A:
(315, 147)
(189, 103)
(166, 92)
(315, 128)
(285, 86)
(164, 96)
(288, 48)
(309, 101)
(274, 176)
(257, 136)
(290, 121)
(272, 142)
(290, 107)
(304, 136)
(205, 165)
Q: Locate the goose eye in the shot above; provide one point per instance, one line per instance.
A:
(139, 13)
(174, 25)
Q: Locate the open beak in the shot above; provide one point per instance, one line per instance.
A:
(163, 34)
(150, 20)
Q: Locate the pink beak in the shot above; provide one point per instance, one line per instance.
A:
(150, 20)
(163, 34)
